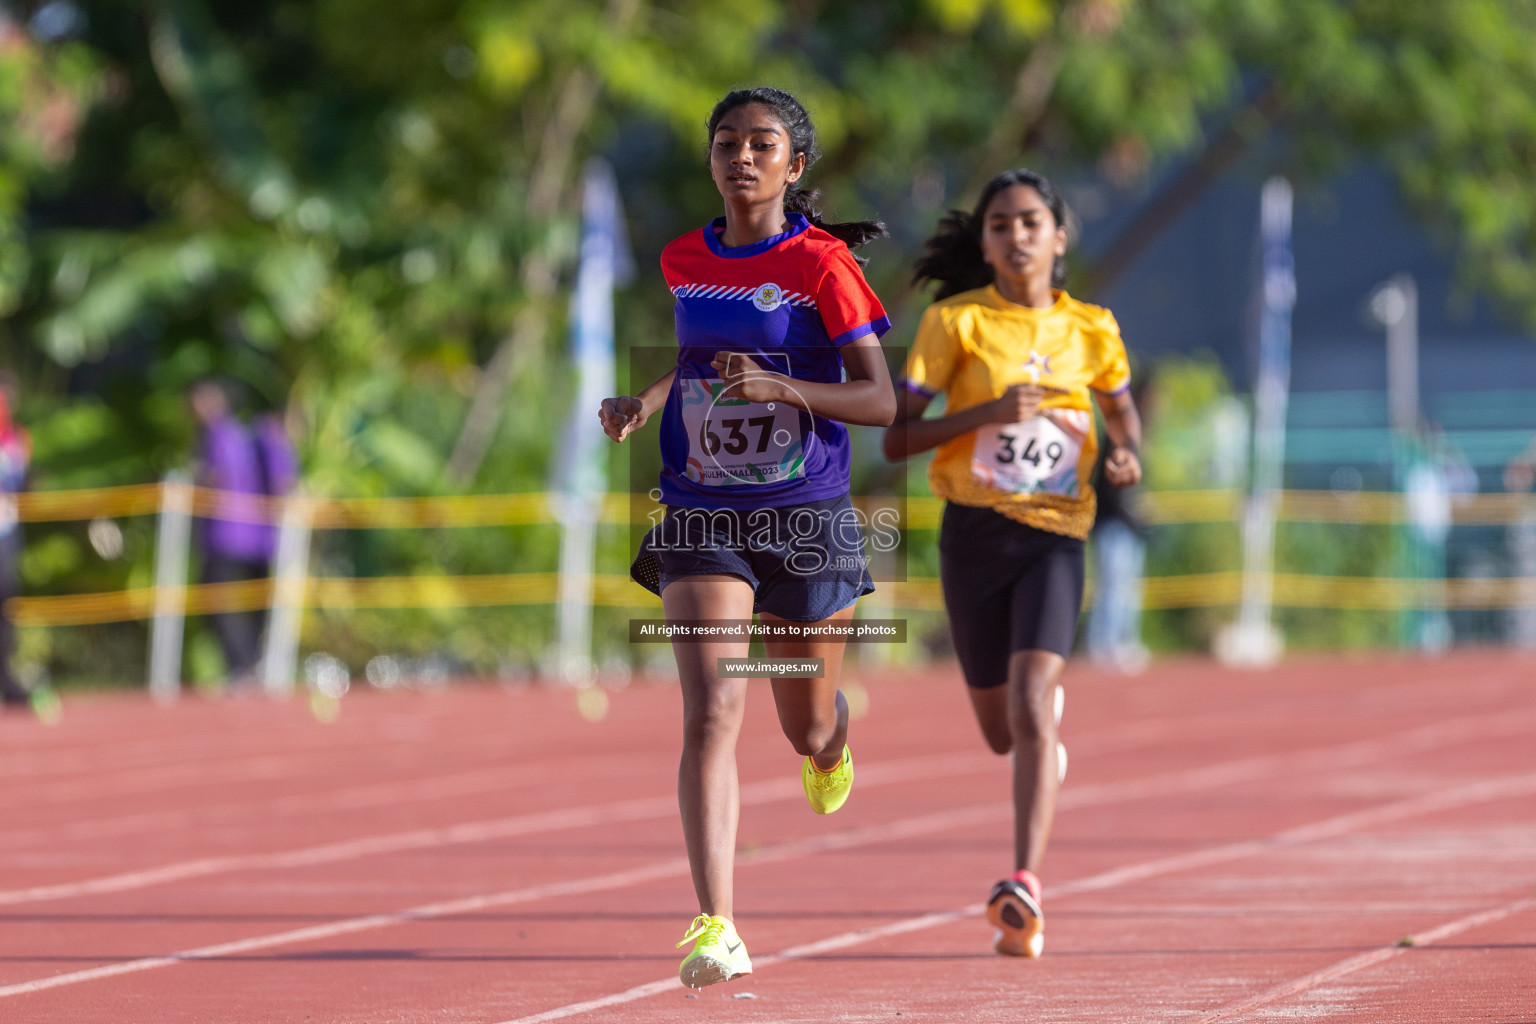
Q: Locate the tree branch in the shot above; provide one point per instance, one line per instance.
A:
(1249, 123)
(572, 111)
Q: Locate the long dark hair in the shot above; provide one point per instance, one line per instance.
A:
(954, 251)
(802, 140)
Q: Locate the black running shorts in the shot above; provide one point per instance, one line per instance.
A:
(1008, 587)
(804, 562)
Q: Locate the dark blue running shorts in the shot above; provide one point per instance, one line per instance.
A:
(1008, 587)
(804, 562)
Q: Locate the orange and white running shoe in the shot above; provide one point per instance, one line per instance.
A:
(1014, 910)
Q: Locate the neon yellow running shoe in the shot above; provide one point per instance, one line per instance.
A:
(718, 954)
(827, 791)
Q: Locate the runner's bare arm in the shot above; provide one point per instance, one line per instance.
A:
(866, 398)
(912, 435)
(626, 414)
(1122, 466)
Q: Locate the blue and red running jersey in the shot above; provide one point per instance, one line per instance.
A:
(790, 302)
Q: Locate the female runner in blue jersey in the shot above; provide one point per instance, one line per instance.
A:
(778, 348)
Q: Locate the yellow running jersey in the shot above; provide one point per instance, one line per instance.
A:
(972, 347)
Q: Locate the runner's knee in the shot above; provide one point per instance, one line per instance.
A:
(713, 716)
(999, 737)
(811, 736)
(1031, 708)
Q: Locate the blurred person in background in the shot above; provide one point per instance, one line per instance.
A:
(235, 542)
(1021, 364)
(275, 456)
(1119, 558)
(1520, 478)
(1436, 477)
(15, 457)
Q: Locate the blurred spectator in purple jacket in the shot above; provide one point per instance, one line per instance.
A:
(15, 454)
(279, 465)
(236, 540)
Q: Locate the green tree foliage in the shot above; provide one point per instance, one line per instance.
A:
(43, 91)
(1194, 428)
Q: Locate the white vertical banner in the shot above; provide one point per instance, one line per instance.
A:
(580, 474)
(173, 542)
(1253, 640)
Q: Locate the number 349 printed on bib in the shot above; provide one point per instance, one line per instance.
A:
(1039, 455)
(732, 441)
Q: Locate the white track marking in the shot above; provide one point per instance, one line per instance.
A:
(446, 908)
(671, 868)
(474, 832)
(304, 764)
(93, 760)
(75, 775)
(418, 839)
(1498, 789)
(1370, 958)
(147, 759)
(652, 988)
(82, 748)
(926, 824)
(376, 794)
(1226, 773)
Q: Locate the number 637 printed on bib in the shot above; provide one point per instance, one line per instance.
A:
(732, 441)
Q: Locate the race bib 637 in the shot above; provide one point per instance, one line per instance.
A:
(732, 441)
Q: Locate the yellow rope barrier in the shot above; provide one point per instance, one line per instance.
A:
(1171, 507)
(918, 594)
(98, 502)
(137, 603)
(1195, 590)
(1159, 508)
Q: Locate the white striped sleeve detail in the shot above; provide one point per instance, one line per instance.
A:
(703, 291)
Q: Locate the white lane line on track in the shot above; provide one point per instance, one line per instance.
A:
(1370, 958)
(54, 764)
(678, 867)
(358, 797)
(853, 938)
(474, 832)
(169, 779)
(98, 755)
(1497, 789)
(93, 761)
(672, 868)
(81, 780)
(89, 751)
(1333, 758)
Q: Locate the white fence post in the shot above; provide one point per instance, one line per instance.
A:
(172, 543)
(578, 539)
(290, 574)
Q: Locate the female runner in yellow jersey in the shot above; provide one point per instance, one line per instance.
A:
(1018, 360)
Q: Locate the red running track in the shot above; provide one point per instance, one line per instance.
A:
(1229, 847)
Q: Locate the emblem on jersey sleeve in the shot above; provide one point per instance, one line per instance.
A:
(768, 297)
